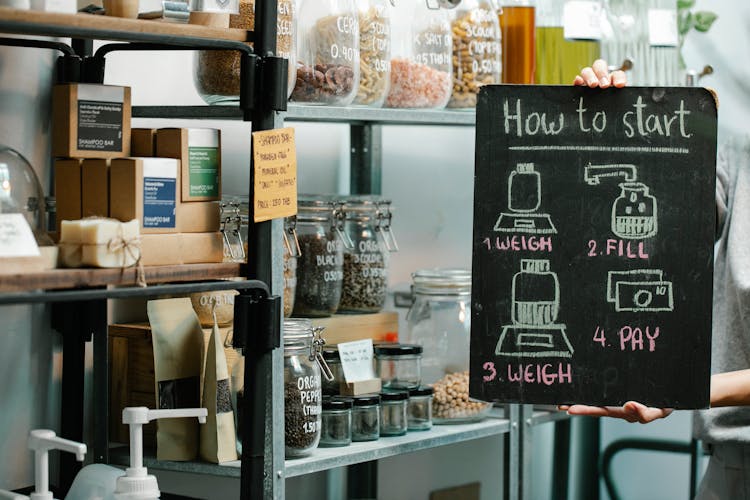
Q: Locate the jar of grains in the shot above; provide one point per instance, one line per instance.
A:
(476, 51)
(320, 273)
(366, 262)
(327, 52)
(217, 72)
(374, 52)
(303, 366)
(421, 66)
(291, 254)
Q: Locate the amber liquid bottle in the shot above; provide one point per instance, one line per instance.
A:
(517, 24)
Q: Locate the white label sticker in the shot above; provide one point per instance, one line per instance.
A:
(582, 20)
(662, 27)
(16, 238)
(356, 360)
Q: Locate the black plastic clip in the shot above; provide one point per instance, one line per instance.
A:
(68, 69)
(257, 323)
(93, 69)
(274, 79)
(248, 75)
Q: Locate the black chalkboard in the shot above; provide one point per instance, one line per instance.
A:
(594, 221)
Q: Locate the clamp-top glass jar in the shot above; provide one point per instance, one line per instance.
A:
(320, 274)
(366, 261)
(303, 365)
(327, 52)
(291, 253)
(374, 52)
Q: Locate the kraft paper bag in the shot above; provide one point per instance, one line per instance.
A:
(178, 351)
(218, 434)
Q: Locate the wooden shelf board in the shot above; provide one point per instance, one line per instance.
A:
(99, 22)
(79, 278)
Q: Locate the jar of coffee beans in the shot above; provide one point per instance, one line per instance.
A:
(303, 366)
(327, 52)
(320, 268)
(368, 225)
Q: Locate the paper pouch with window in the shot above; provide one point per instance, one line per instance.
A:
(178, 350)
(218, 433)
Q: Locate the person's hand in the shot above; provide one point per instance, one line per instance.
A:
(630, 411)
(597, 75)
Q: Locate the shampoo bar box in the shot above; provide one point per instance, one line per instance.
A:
(90, 121)
(67, 190)
(143, 142)
(199, 150)
(145, 189)
(95, 188)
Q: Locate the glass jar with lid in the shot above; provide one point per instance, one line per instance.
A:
(333, 360)
(421, 65)
(476, 51)
(517, 26)
(366, 261)
(374, 52)
(303, 367)
(216, 73)
(366, 417)
(327, 52)
(337, 422)
(320, 268)
(393, 419)
(420, 408)
(233, 217)
(399, 365)
(292, 252)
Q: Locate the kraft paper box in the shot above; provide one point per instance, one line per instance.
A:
(198, 217)
(67, 190)
(199, 150)
(186, 248)
(95, 188)
(145, 189)
(90, 121)
(143, 142)
(200, 248)
(161, 249)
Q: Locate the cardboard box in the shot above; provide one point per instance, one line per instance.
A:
(143, 142)
(67, 190)
(380, 327)
(95, 188)
(199, 248)
(186, 248)
(145, 189)
(198, 217)
(199, 150)
(161, 249)
(90, 121)
(131, 362)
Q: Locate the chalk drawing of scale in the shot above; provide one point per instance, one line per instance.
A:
(534, 333)
(634, 212)
(524, 200)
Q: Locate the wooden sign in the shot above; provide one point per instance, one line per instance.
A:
(594, 223)
(275, 159)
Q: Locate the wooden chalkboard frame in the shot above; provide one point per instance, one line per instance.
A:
(594, 224)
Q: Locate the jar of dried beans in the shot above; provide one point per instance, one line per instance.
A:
(421, 66)
(476, 51)
(366, 262)
(217, 72)
(320, 267)
(327, 52)
(374, 52)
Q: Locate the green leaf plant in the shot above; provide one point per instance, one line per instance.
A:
(689, 19)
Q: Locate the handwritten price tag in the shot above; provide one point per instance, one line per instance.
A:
(275, 158)
(356, 360)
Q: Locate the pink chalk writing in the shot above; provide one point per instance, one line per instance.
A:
(547, 373)
(631, 338)
(519, 243)
(619, 248)
(489, 366)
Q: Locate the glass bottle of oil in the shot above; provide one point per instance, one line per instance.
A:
(567, 39)
(517, 24)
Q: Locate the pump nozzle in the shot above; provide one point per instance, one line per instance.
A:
(41, 441)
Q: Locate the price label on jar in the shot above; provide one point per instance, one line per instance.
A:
(275, 159)
(356, 360)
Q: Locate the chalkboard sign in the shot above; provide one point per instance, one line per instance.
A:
(594, 221)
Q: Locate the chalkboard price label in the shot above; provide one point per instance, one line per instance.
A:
(594, 223)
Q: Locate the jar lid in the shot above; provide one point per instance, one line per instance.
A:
(394, 396)
(422, 390)
(316, 207)
(366, 400)
(442, 281)
(331, 354)
(337, 403)
(398, 349)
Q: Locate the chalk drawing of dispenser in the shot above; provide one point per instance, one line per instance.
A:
(634, 212)
(524, 200)
(535, 305)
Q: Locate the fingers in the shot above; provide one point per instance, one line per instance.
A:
(619, 79)
(579, 81)
(644, 414)
(589, 77)
(601, 72)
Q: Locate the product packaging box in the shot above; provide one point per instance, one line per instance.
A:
(198, 217)
(67, 190)
(90, 121)
(199, 150)
(95, 188)
(200, 248)
(143, 142)
(185, 248)
(145, 189)
(161, 249)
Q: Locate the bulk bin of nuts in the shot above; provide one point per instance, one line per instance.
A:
(327, 52)
(374, 52)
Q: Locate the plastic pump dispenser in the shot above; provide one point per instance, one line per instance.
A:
(137, 484)
(41, 441)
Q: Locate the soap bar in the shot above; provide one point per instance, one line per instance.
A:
(70, 253)
(98, 242)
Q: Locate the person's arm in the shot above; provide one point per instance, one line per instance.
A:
(730, 389)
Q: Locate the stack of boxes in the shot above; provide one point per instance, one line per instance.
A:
(167, 179)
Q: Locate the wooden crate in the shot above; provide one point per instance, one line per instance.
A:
(339, 328)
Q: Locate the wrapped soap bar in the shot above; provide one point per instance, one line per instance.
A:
(99, 242)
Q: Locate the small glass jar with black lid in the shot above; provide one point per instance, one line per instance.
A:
(337, 422)
(333, 360)
(393, 419)
(420, 408)
(366, 417)
(399, 366)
